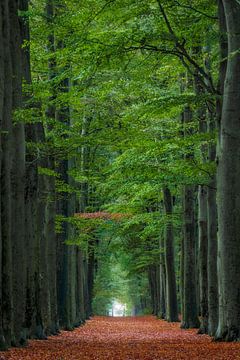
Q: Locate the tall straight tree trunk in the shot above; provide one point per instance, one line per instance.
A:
(31, 202)
(162, 280)
(182, 275)
(50, 182)
(45, 266)
(228, 184)
(66, 255)
(88, 257)
(213, 276)
(50, 214)
(18, 186)
(203, 256)
(80, 286)
(223, 41)
(190, 311)
(2, 5)
(6, 190)
(153, 288)
(157, 287)
(63, 254)
(212, 258)
(212, 255)
(171, 293)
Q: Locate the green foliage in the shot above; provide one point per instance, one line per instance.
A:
(124, 80)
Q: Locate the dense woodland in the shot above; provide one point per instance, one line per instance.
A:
(120, 163)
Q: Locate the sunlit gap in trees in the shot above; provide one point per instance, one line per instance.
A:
(118, 309)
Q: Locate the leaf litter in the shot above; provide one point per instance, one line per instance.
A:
(126, 338)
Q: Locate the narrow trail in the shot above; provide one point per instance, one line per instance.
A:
(133, 338)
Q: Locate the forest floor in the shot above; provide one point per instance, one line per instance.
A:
(130, 338)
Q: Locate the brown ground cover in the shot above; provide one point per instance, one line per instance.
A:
(130, 338)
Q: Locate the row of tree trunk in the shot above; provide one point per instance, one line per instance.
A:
(210, 250)
(43, 281)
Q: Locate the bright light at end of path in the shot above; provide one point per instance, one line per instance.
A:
(118, 309)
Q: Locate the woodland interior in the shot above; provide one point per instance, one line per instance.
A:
(119, 171)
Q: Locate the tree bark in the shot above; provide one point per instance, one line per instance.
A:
(228, 184)
(2, 11)
(162, 280)
(6, 190)
(203, 258)
(171, 293)
(190, 311)
(18, 185)
(212, 255)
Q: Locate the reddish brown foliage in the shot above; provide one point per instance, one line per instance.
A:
(142, 338)
(100, 215)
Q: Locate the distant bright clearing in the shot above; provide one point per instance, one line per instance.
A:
(117, 309)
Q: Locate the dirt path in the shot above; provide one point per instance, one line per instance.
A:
(136, 338)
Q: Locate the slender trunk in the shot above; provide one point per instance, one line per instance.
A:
(64, 255)
(18, 187)
(182, 277)
(50, 214)
(153, 288)
(216, 300)
(91, 263)
(212, 259)
(50, 211)
(171, 293)
(85, 276)
(212, 239)
(202, 250)
(157, 269)
(190, 311)
(80, 286)
(2, 5)
(162, 281)
(45, 267)
(6, 190)
(203, 253)
(31, 201)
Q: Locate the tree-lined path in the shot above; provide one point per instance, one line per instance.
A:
(130, 338)
(119, 178)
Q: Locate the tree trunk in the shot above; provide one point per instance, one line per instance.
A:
(215, 299)
(162, 281)
(203, 258)
(80, 286)
(190, 311)
(6, 191)
(212, 239)
(171, 294)
(50, 212)
(2, 11)
(18, 187)
(228, 184)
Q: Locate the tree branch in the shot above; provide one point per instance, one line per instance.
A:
(182, 51)
(196, 10)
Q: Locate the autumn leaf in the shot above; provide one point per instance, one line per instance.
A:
(126, 338)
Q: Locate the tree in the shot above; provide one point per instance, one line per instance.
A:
(228, 189)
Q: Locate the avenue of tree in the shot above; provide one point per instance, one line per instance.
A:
(119, 163)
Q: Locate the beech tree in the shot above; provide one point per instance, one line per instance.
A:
(130, 110)
(227, 175)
